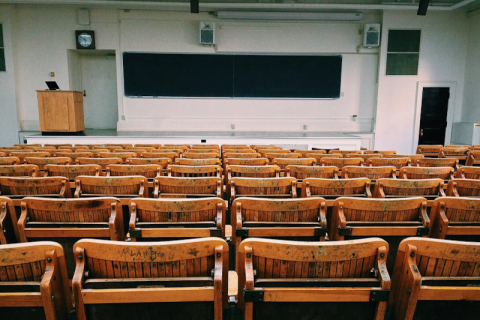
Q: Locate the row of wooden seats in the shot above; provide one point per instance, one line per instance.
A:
(275, 279)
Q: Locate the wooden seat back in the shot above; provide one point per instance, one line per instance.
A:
(429, 150)
(41, 162)
(204, 155)
(365, 157)
(468, 173)
(463, 188)
(205, 146)
(9, 152)
(320, 156)
(203, 151)
(457, 151)
(398, 163)
(130, 186)
(344, 152)
(372, 173)
(174, 170)
(58, 145)
(473, 158)
(71, 172)
(267, 171)
(303, 172)
(74, 155)
(285, 187)
(163, 218)
(443, 162)
(382, 152)
(265, 146)
(429, 188)
(164, 162)
(284, 162)
(110, 148)
(139, 149)
(22, 155)
(444, 173)
(435, 279)
(182, 187)
(230, 155)
(121, 145)
(34, 282)
(198, 162)
(121, 155)
(23, 170)
(96, 152)
(149, 171)
(8, 222)
(19, 187)
(9, 161)
(336, 187)
(239, 150)
(413, 157)
(244, 162)
(153, 145)
(103, 162)
(305, 153)
(305, 274)
(341, 162)
(455, 217)
(25, 146)
(263, 151)
(272, 156)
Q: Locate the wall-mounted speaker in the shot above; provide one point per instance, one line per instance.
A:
(371, 35)
(207, 32)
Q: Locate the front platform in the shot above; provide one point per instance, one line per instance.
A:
(290, 140)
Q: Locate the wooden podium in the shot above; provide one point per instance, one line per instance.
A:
(60, 111)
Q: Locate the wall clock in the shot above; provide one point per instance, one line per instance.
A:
(85, 39)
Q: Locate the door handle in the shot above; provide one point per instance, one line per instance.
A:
(421, 132)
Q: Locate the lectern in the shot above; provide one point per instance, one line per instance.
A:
(60, 111)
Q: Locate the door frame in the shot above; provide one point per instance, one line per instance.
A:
(452, 85)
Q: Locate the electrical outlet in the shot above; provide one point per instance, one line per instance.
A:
(342, 94)
(123, 117)
(305, 127)
(232, 126)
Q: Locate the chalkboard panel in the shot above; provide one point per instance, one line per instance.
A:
(223, 75)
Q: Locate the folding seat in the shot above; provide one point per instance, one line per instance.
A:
(74, 155)
(19, 187)
(198, 162)
(429, 150)
(120, 187)
(195, 155)
(365, 157)
(428, 188)
(463, 188)
(344, 152)
(41, 162)
(34, 282)
(303, 172)
(174, 170)
(473, 158)
(181, 187)
(468, 173)
(121, 155)
(313, 280)
(284, 162)
(103, 162)
(272, 156)
(443, 162)
(320, 156)
(412, 157)
(445, 173)
(383, 152)
(305, 153)
(333, 188)
(8, 221)
(71, 172)
(435, 279)
(164, 162)
(398, 163)
(262, 187)
(149, 171)
(22, 155)
(23, 170)
(372, 173)
(341, 162)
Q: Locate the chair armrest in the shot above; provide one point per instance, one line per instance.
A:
(238, 218)
(78, 189)
(22, 221)
(424, 215)
(322, 217)
(63, 191)
(156, 188)
(141, 191)
(232, 191)
(294, 189)
(219, 219)
(383, 275)
(441, 191)
(77, 282)
(219, 189)
(367, 190)
(378, 192)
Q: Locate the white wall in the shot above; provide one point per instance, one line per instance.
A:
(178, 32)
(443, 48)
(471, 103)
(8, 110)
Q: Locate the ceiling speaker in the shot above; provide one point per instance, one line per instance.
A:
(371, 35)
(207, 32)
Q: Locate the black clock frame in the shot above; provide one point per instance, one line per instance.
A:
(91, 33)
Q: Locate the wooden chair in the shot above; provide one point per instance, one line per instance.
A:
(41, 162)
(9, 161)
(305, 153)
(47, 149)
(149, 171)
(121, 155)
(391, 219)
(265, 146)
(8, 222)
(194, 171)
(428, 188)
(284, 162)
(145, 280)
(121, 145)
(372, 173)
(34, 282)
(235, 171)
(153, 145)
(164, 219)
(9, 152)
(459, 152)
(96, 152)
(90, 146)
(341, 162)
(303, 172)
(203, 151)
(181, 187)
(3, 154)
(25, 146)
(164, 162)
(74, 155)
(198, 162)
(429, 150)
(103, 162)
(265, 151)
(234, 146)
(398, 163)
(207, 155)
(468, 173)
(79, 148)
(473, 158)
(455, 218)
(443, 162)
(58, 145)
(170, 146)
(332, 188)
(139, 149)
(444, 173)
(435, 279)
(71, 172)
(344, 152)
(382, 152)
(67, 220)
(365, 157)
(320, 156)
(230, 155)
(23, 170)
(272, 218)
(262, 187)
(239, 150)
(205, 146)
(463, 188)
(23, 155)
(413, 157)
(272, 156)
(19, 187)
(170, 155)
(121, 187)
(313, 280)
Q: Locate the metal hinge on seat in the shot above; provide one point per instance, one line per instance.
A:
(423, 231)
(243, 233)
(378, 295)
(253, 295)
(344, 231)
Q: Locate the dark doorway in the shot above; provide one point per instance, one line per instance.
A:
(433, 117)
